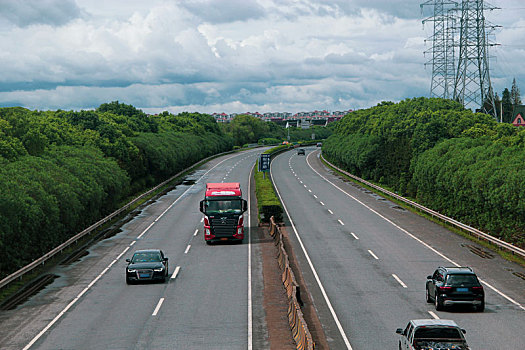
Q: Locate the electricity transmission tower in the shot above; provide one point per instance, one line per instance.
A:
(466, 80)
(472, 86)
(443, 63)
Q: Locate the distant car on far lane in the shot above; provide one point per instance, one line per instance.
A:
(147, 265)
(301, 151)
(319, 144)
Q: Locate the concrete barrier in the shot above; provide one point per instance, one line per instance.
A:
(299, 328)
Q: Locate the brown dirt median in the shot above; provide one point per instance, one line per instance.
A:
(276, 301)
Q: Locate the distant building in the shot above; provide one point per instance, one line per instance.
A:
(519, 116)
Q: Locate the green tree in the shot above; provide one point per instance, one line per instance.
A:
(515, 94)
(506, 104)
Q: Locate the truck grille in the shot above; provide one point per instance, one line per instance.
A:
(223, 226)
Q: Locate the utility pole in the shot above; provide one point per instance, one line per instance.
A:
(443, 62)
(472, 86)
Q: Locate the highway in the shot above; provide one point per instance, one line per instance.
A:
(207, 303)
(365, 261)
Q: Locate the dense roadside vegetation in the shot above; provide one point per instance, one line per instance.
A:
(60, 171)
(462, 164)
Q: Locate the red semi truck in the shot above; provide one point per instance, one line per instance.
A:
(223, 209)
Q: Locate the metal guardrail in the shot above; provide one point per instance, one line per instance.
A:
(48, 255)
(475, 232)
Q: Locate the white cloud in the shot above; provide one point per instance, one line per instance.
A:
(225, 55)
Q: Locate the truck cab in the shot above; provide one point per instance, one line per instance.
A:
(429, 334)
(223, 208)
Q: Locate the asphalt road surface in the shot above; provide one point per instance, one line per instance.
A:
(366, 261)
(207, 303)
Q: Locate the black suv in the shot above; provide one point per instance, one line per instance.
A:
(300, 151)
(455, 286)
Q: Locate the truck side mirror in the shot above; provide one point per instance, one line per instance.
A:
(244, 205)
(399, 331)
(201, 206)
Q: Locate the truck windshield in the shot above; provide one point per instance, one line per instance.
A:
(233, 206)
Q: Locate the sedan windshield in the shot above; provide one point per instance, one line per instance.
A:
(223, 206)
(146, 257)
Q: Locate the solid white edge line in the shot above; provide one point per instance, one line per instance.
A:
(187, 249)
(146, 230)
(189, 188)
(372, 253)
(159, 304)
(196, 231)
(314, 271)
(433, 315)
(175, 273)
(415, 238)
(250, 304)
(35, 339)
(353, 234)
(399, 280)
(50, 324)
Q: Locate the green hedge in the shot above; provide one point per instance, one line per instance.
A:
(462, 164)
(267, 201)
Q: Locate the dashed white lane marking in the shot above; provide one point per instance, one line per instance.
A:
(132, 243)
(372, 253)
(300, 181)
(316, 276)
(331, 212)
(353, 234)
(315, 196)
(399, 280)
(175, 273)
(321, 203)
(342, 223)
(158, 307)
(187, 249)
(196, 231)
(433, 315)
(428, 246)
(310, 191)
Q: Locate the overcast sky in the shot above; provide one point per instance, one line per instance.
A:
(229, 56)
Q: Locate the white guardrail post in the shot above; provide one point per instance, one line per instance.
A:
(473, 231)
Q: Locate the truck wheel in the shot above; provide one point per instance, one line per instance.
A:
(438, 303)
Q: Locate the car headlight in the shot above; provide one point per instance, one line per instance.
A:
(132, 270)
(159, 269)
